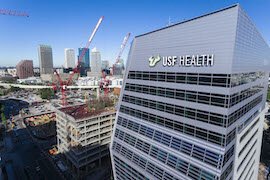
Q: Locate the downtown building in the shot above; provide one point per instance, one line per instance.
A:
(69, 58)
(96, 64)
(84, 61)
(193, 101)
(45, 59)
(24, 69)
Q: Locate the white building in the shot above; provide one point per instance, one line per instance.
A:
(95, 63)
(69, 58)
(12, 71)
(193, 101)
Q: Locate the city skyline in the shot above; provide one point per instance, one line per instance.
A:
(39, 28)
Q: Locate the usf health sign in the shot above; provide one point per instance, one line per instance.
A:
(184, 61)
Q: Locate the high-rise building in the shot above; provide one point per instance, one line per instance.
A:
(85, 59)
(193, 101)
(69, 58)
(24, 69)
(95, 62)
(45, 59)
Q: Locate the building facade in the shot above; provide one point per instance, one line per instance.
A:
(24, 69)
(193, 101)
(84, 137)
(45, 59)
(95, 62)
(85, 59)
(69, 58)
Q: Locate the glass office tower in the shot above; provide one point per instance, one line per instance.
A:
(193, 101)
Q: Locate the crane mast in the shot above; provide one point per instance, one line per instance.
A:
(104, 83)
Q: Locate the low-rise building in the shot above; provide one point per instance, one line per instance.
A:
(83, 136)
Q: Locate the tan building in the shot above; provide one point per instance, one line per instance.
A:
(83, 136)
(24, 69)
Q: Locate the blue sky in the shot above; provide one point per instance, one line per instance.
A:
(68, 24)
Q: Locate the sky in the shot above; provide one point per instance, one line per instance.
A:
(69, 23)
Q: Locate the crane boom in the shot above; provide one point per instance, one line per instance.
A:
(123, 45)
(13, 13)
(84, 49)
(64, 84)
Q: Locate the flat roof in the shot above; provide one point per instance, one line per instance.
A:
(82, 111)
(182, 22)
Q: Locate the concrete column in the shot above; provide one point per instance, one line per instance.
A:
(98, 93)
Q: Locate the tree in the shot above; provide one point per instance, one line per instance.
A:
(46, 93)
(4, 120)
(3, 117)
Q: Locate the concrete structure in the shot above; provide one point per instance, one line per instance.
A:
(69, 58)
(30, 80)
(24, 69)
(92, 81)
(45, 59)
(83, 136)
(95, 63)
(193, 101)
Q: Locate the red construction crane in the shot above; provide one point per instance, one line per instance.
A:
(64, 84)
(13, 13)
(104, 83)
(122, 47)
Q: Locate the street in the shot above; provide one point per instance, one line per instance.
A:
(23, 155)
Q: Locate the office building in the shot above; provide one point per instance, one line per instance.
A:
(69, 58)
(84, 65)
(83, 136)
(24, 69)
(85, 59)
(95, 62)
(45, 59)
(193, 101)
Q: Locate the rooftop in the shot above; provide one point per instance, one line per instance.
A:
(83, 111)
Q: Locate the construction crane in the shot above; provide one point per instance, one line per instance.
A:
(64, 84)
(13, 13)
(122, 47)
(104, 83)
